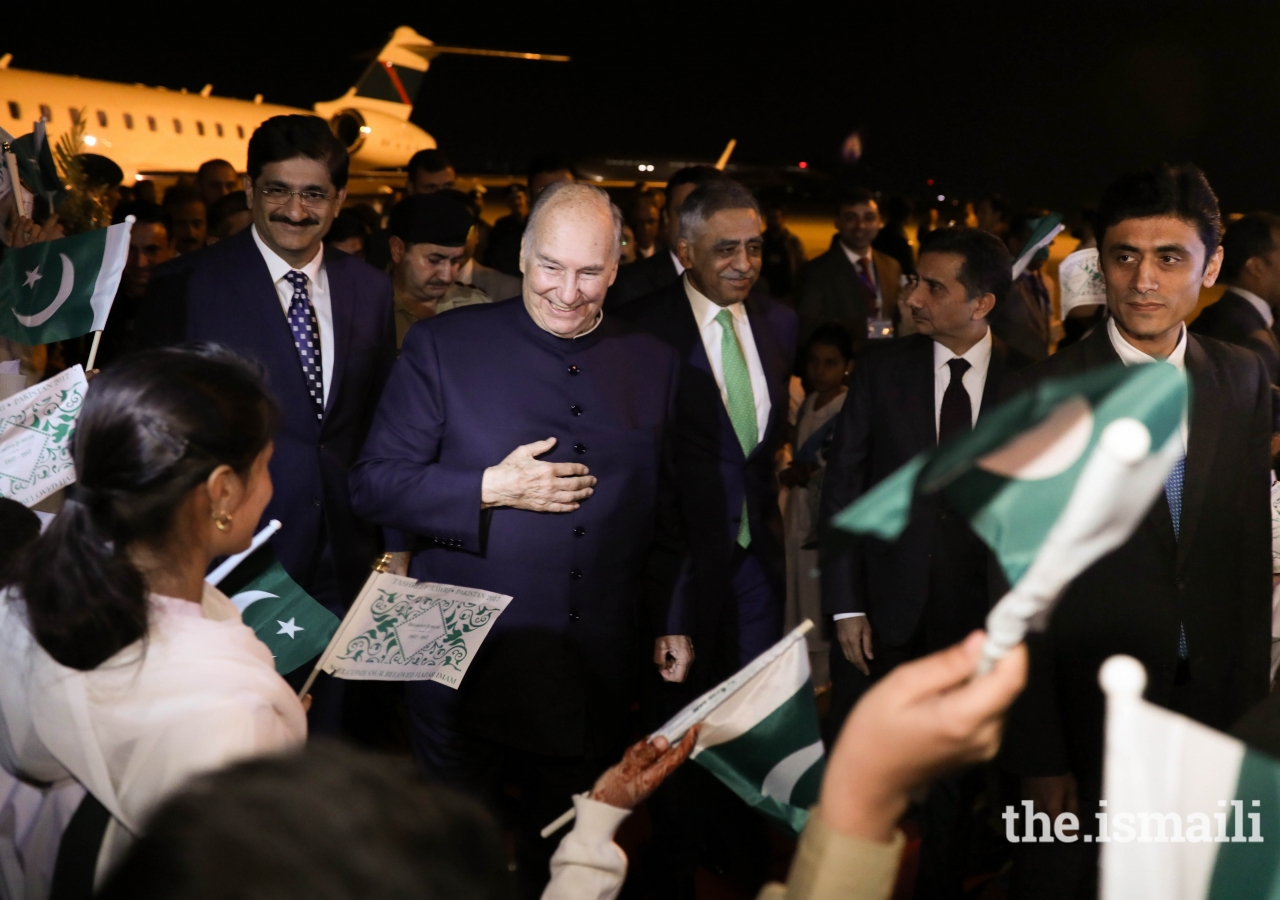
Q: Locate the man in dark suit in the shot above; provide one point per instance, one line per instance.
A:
(852, 283)
(737, 349)
(320, 324)
(1245, 314)
(645, 276)
(892, 603)
(455, 460)
(1189, 593)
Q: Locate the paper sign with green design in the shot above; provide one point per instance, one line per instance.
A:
(58, 290)
(399, 629)
(35, 437)
(1052, 480)
(295, 627)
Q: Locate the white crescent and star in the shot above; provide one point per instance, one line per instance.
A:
(290, 628)
(64, 292)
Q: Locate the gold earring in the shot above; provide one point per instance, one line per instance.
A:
(222, 521)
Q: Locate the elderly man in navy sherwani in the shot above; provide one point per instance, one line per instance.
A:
(522, 446)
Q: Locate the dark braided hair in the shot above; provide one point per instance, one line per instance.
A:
(152, 428)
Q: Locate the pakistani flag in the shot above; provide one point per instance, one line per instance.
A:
(1052, 480)
(1043, 231)
(295, 628)
(1190, 812)
(57, 290)
(760, 732)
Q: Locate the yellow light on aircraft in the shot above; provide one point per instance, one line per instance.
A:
(90, 140)
(365, 129)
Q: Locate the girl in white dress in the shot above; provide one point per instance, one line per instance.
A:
(122, 673)
(829, 362)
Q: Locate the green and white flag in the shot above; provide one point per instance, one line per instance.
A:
(58, 290)
(1043, 231)
(1190, 812)
(764, 742)
(1052, 480)
(399, 629)
(35, 437)
(286, 618)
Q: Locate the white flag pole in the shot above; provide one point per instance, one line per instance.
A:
(679, 724)
(378, 568)
(93, 351)
(228, 564)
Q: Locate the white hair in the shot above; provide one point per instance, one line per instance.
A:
(575, 193)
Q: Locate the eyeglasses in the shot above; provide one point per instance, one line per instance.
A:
(278, 196)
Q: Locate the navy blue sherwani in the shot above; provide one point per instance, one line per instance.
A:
(554, 675)
(714, 477)
(223, 294)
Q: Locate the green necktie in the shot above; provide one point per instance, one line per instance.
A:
(741, 401)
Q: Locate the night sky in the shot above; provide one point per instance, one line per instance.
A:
(1044, 104)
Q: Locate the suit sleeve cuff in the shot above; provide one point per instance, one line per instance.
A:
(838, 616)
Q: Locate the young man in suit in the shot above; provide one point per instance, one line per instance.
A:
(852, 283)
(1245, 314)
(737, 350)
(1189, 593)
(894, 602)
(659, 270)
(319, 322)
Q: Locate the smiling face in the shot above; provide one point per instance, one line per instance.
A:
(724, 256)
(569, 262)
(1154, 269)
(858, 225)
(289, 226)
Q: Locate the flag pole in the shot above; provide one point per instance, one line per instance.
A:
(679, 724)
(93, 351)
(215, 577)
(378, 568)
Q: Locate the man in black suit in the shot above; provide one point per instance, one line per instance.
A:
(661, 269)
(1245, 314)
(319, 322)
(737, 349)
(852, 283)
(892, 603)
(1189, 593)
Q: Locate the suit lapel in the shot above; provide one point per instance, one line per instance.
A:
(922, 384)
(1205, 420)
(776, 370)
(341, 300)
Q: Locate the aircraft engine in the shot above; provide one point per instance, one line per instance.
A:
(376, 140)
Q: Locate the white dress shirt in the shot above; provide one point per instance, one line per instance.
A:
(1263, 308)
(317, 289)
(705, 312)
(975, 379)
(675, 261)
(1132, 356)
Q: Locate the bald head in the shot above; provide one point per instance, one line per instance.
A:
(569, 257)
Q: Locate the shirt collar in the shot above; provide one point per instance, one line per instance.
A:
(978, 356)
(853, 255)
(279, 268)
(1263, 308)
(705, 310)
(1132, 356)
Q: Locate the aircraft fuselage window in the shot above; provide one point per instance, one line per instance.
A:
(14, 109)
(128, 121)
(199, 128)
(177, 126)
(102, 118)
(75, 115)
(151, 122)
(46, 112)
(240, 131)
(218, 127)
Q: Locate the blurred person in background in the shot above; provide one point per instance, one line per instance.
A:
(215, 179)
(783, 254)
(643, 220)
(229, 215)
(348, 233)
(892, 239)
(188, 218)
(504, 240)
